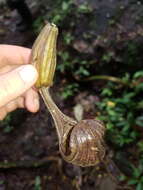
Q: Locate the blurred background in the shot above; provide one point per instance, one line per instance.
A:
(99, 75)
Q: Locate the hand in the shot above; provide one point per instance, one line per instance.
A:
(17, 77)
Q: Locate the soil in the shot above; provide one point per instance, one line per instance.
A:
(29, 154)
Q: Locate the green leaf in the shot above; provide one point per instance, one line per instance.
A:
(140, 146)
(136, 172)
(139, 121)
(122, 178)
(109, 126)
(133, 134)
(132, 182)
(139, 105)
(112, 112)
(107, 57)
(141, 179)
(138, 74)
(84, 8)
(126, 78)
(129, 95)
(139, 186)
(139, 87)
(106, 92)
(1, 182)
(37, 183)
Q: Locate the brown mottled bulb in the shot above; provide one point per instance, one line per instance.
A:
(80, 143)
(43, 55)
(84, 145)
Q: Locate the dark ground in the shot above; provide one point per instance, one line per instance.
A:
(29, 147)
(29, 155)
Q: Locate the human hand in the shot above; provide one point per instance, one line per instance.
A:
(17, 77)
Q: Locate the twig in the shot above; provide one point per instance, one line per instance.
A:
(29, 164)
(109, 78)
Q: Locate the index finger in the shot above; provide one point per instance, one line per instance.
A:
(11, 54)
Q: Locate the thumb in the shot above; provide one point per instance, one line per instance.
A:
(16, 82)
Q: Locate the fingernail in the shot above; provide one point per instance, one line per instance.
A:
(28, 73)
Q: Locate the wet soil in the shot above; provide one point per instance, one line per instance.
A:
(29, 155)
(29, 146)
